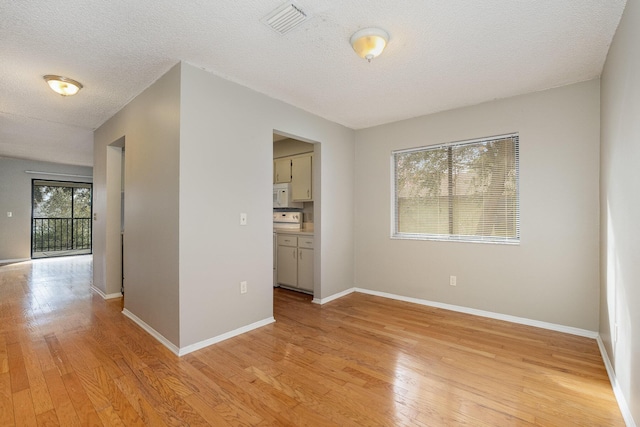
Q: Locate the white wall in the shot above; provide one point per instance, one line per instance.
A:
(150, 125)
(552, 276)
(620, 206)
(226, 149)
(15, 197)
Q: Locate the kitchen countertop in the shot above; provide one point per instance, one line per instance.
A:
(302, 232)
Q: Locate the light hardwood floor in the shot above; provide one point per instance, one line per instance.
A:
(69, 358)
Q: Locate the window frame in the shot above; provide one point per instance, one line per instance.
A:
(395, 234)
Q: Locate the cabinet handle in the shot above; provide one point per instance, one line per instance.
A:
(294, 254)
(308, 194)
(300, 254)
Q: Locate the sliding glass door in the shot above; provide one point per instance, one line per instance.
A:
(61, 218)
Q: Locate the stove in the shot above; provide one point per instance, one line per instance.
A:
(287, 221)
(283, 221)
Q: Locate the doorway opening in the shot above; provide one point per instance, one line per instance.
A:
(60, 218)
(296, 179)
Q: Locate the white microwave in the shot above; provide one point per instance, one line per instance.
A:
(282, 197)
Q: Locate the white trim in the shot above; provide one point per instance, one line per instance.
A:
(206, 343)
(332, 297)
(157, 335)
(197, 346)
(507, 318)
(10, 261)
(617, 391)
(59, 174)
(105, 296)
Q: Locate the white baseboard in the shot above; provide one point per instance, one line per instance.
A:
(333, 297)
(157, 335)
(507, 318)
(197, 346)
(617, 391)
(105, 296)
(206, 343)
(11, 261)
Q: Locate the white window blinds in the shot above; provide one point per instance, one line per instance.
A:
(464, 191)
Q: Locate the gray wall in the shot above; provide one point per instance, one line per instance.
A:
(199, 151)
(552, 276)
(620, 206)
(226, 167)
(15, 197)
(150, 125)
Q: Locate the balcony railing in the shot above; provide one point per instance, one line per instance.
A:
(60, 234)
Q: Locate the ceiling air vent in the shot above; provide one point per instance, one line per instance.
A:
(285, 18)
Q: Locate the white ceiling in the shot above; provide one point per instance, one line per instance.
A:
(441, 55)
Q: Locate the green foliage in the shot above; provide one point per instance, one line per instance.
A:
(62, 218)
(468, 189)
(54, 201)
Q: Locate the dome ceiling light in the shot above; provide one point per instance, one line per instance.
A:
(63, 85)
(369, 42)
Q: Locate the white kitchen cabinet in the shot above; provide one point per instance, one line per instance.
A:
(301, 178)
(295, 261)
(305, 269)
(282, 170)
(287, 270)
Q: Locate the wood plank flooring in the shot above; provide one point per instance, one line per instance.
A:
(69, 358)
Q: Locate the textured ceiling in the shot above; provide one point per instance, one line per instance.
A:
(442, 55)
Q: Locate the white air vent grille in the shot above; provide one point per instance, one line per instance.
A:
(285, 18)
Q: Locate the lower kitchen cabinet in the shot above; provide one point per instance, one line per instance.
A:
(287, 268)
(305, 269)
(295, 261)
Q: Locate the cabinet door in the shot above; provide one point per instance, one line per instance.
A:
(282, 170)
(305, 269)
(301, 172)
(287, 265)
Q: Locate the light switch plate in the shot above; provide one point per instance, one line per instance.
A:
(243, 219)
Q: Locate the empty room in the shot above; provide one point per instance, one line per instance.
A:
(453, 234)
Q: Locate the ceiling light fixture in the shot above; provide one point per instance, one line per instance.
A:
(63, 85)
(369, 42)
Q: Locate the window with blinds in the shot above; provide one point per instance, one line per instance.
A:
(462, 191)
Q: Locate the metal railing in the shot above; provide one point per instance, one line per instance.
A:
(60, 234)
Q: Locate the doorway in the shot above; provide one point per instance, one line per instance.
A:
(296, 254)
(60, 218)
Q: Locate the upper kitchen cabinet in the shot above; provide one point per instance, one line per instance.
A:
(282, 170)
(301, 178)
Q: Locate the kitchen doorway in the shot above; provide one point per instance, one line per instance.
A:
(296, 177)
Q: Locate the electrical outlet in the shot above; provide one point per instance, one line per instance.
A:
(9, 214)
(243, 219)
(243, 287)
(452, 280)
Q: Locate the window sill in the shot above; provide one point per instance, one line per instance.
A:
(510, 242)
